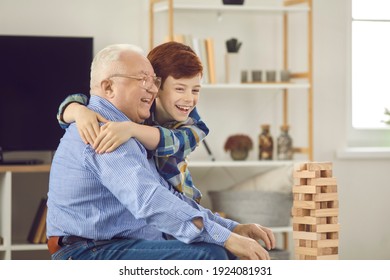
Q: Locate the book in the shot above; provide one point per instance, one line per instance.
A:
(203, 58)
(39, 223)
(210, 59)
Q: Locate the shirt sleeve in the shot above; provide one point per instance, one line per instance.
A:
(130, 177)
(227, 223)
(77, 97)
(183, 139)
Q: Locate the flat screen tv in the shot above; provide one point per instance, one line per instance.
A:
(36, 74)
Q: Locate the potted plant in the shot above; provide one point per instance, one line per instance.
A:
(239, 146)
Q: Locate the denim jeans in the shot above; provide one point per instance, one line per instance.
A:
(129, 249)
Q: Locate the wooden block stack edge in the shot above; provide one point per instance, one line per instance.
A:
(315, 212)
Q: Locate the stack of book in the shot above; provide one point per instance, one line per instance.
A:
(204, 48)
(37, 232)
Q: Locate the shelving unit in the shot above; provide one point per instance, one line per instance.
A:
(12, 244)
(289, 7)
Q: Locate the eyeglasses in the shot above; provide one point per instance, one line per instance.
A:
(148, 81)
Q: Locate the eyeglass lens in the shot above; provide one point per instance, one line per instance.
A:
(149, 81)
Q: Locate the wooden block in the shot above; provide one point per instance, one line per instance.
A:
(332, 220)
(297, 196)
(304, 189)
(326, 243)
(333, 204)
(305, 220)
(306, 174)
(298, 227)
(332, 235)
(329, 189)
(300, 166)
(326, 173)
(308, 228)
(299, 181)
(317, 252)
(328, 257)
(325, 197)
(299, 257)
(327, 228)
(328, 212)
(308, 235)
(299, 212)
(307, 251)
(306, 204)
(303, 197)
(312, 166)
(322, 181)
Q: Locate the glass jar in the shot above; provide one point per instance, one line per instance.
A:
(266, 144)
(284, 144)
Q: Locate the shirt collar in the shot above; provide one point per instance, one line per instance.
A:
(106, 109)
(153, 121)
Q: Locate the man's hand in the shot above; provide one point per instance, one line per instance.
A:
(257, 232)
(245, 248)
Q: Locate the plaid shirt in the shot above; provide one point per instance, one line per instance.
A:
(177, 141)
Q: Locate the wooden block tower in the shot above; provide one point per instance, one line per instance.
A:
(315, 212)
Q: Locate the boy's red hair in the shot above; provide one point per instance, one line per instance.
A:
(176, 60)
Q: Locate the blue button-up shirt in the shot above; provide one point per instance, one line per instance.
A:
(120, 194)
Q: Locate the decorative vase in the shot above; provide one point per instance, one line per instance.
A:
(239, 154)
(233, 72)
(284, 141)
(266, 144)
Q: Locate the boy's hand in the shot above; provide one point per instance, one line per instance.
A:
(112, 135)
(87, 122)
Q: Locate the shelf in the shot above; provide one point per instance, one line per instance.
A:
(218, 175)
(257, 86)
(25, 168)
(244, 163)
(29, 247)
(163, 7)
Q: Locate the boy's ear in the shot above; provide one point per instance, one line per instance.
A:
(106, 86)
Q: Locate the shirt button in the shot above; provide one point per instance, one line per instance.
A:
(216, 236)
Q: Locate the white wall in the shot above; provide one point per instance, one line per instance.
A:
(109, 22)
(363, 184)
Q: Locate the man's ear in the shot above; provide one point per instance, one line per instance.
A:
(106, 86)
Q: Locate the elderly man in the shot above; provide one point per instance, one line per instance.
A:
(116, 205)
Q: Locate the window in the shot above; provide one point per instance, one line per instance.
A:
(370, 73)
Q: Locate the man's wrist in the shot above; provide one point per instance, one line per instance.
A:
(198, 222)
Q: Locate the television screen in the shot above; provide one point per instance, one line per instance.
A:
(36, 74)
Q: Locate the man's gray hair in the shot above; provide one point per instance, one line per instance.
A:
(102, 62)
